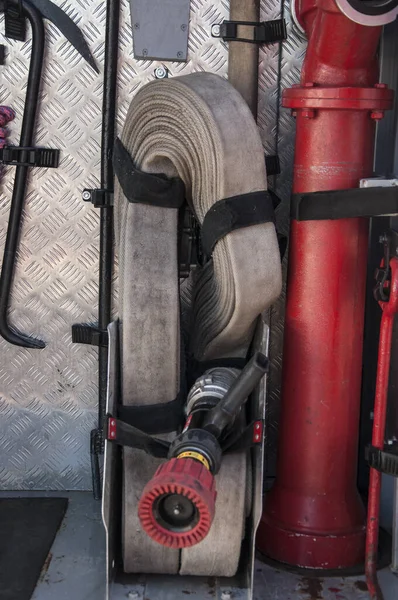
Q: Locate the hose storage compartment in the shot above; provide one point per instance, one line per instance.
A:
(197, 128)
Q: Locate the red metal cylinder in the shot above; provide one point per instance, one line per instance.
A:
(313, 516)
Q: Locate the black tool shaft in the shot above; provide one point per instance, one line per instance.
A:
(21, 176)
(226, 410)
(106, 213)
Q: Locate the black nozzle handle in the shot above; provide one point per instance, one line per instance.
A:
(226, 410)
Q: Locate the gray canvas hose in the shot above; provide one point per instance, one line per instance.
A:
(199, 128)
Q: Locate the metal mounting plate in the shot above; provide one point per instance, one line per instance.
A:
(160, 29)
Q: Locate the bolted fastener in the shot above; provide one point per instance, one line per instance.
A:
(161, 73)
(308, 113)
(179, 55)
(216, 30)
(86, 195)
(377, 115)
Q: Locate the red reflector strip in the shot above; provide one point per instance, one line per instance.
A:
(258, 429)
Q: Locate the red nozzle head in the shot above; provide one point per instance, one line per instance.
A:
(177, 506)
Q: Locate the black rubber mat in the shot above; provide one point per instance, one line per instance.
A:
(28, 527)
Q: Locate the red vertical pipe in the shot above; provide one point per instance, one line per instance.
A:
(313, 516)
(390, 309)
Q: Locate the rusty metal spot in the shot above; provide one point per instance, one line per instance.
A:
(312, 587)
(361, 585)
(45, 567)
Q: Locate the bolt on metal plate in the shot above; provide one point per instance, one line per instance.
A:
(160, 29)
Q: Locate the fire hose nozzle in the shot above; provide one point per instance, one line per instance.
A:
(177, 506)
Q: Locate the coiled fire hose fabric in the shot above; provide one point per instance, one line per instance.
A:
(199, 128)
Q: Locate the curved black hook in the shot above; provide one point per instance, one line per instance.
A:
(21, 175)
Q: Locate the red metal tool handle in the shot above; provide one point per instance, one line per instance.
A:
(390, 309)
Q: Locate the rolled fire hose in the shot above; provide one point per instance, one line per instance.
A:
(198, 128)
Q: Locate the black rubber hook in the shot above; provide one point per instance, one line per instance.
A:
(21, 174)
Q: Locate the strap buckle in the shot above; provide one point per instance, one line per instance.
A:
(190, 245)
(385, 461)
(29, 157)
(264, 32)
(89, 334)
(15, 22)
(100, 198)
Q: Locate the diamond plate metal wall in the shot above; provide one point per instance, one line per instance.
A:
(48, 398)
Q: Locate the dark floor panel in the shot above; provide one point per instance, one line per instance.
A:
(28, 527)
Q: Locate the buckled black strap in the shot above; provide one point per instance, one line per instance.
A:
(29, 157)
(154, 418)
(146, 188)
(263, 32)
(15, 22)
(250, 436)
(385, 460)
(89, 334)
(125, 434)
(234, 213)
(100, 198)
(344, 204)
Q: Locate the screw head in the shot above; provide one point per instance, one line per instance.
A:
(136, 25)
(86, 195)
(183, 27)
(179, 54)
(145, 52)
(216, 30)
(161, 72)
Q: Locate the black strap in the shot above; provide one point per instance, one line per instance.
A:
(146, 188)
(154, 418)
(242, 440)
(127, 435)
(344, 204)
(197, 368)
(385, 460)
(235, 213)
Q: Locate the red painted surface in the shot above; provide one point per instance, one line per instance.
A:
(390, 309)
(313, 516)
(111, 428)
